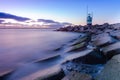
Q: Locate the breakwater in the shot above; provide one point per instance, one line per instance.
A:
(104, 40)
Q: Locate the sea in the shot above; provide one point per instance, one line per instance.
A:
(20, 48)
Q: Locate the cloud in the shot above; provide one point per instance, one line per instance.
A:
(53, 24)
(66, 24)
(46, 21)
(1, 21)
(10, 16)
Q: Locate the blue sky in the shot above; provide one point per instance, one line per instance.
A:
(73, 11)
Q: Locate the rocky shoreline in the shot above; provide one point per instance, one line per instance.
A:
(105, 42)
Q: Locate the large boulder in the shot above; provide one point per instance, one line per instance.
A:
(5, 73)
(79, 44)
(115, 34)
(94, 57)
(101, 39)
(77, 76)
(84, 38)
(111, 70)
(77, 47)
(111, 50)
(52, 73)
(48, 58)
(87, 56)
(116, 26)
(77, 55)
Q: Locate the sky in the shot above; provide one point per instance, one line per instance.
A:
(73, 11)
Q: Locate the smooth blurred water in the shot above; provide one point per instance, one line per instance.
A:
(19, 46)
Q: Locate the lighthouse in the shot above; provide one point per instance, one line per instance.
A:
(89, 18)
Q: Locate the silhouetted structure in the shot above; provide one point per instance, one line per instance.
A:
(89, 18)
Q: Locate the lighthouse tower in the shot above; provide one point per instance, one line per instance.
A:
(89, 18)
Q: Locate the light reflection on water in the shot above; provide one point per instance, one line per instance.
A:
(19, 46)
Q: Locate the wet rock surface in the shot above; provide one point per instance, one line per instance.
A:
(90, 64)
(115, 34)
(92, 70)
(52, 73)
(104, 40)
(5, 74)
(111, 70)
(77, 76)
